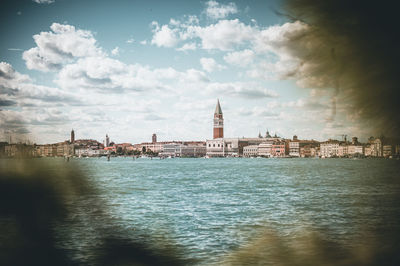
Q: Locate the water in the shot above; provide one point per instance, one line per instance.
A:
(212, 207)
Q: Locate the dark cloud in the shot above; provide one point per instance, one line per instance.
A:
(7, 91)
(7, 102)
(355, 51)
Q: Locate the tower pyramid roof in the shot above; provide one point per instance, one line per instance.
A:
(218, 109)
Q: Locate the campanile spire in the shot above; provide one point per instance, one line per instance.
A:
(218, 122)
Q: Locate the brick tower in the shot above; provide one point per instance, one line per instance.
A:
(218, 122)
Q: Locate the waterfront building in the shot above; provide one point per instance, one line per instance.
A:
(376, 148)
(65, 149)
(50, 150)
(314, 152)
(307, 151)
(250, 151)
(158, 147)
(223, 147)
(218, 122)
(278, 149)
(368, 150)
(19, 150)
(182, 150)
(343, 150)
(193, 151)
(355, 150)
(72, 136)
(265, 148)
(387, 151)
(88, 152)
(329, 149)
(150, 146)
(294, 147)
(171, 149)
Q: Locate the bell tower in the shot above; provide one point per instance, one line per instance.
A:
(218, 122)
(72, 136)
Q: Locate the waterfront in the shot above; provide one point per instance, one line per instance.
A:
(211, 207)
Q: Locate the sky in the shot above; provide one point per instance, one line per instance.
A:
(133, 68)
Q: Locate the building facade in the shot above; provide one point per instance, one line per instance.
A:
(265, 148)
(329, 149)
(250, 151)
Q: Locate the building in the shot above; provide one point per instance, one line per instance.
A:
(154, 138)
(355, 150)
(368, 150)
(343, 150)
(265, 148)
(88, 152)
(218, 122)
(19, 150)
(376, 148)
(278, 149)
(171, 149)
(155, 147)
(72, 136)
(329, 149)
(107, 140)
(182, 150)
(294, 147)
(193, 151)
(65, 149)
(224, 147)
(387, 151)
(250, 151)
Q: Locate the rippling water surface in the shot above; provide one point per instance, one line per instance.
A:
(213, 206)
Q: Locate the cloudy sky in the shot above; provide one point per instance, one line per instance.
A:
(133, 68)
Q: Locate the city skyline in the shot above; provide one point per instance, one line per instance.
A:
(159, 69)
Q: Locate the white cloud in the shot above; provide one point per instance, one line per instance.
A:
(209, 64)
(10, 79)
(242, 89)
(21, 90)
(224, 35)
(62, 45)
(115, 51)
(216, 10)
(144, 42)
(258, 111)
(240, 58)
(193, 75)
(187, 46)
(106, 74)
(164, 36)
(131, 40)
